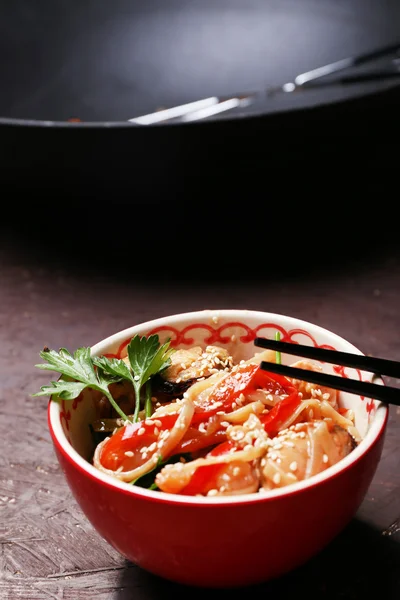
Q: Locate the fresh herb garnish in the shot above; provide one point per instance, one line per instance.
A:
(80, 368)
(146, 359)
(278, 356)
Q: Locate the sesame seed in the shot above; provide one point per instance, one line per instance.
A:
(157, 423)
(326, 396)
(325, 458)
(215, 319)
(293, 466)
(302, 434)
(149, 422)
(119, 470)
(233, 338)
(225, 424)
(212, 492)
(278, 446)
(311, 413)
(277, 478)
(141, 431)
(236, 471)
(156, 431)
(225, 477)
(263, 462)
(129, 453)
(152, 447)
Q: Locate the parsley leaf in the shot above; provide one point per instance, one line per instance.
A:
(80, 368)
(147, 358)
(114, 366)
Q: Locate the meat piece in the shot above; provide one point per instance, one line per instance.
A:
(196, 362)
(304, 450)
(189, 365)
(312, 390)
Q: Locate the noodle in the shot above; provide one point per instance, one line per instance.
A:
(237, 430)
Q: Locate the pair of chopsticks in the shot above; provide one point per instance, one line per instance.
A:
(378, 366)
(208, 107)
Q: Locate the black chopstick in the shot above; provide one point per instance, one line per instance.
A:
(376, 391)
(380, 366)
(305, 79)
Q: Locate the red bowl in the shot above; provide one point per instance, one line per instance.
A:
(221, 541)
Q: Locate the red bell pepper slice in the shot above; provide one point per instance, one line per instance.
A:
(245, 379)
(273, 420)
(195, 440)
(203, 477)
(128, 438)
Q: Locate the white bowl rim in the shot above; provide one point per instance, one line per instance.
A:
(373, 435)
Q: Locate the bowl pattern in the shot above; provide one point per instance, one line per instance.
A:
(207, 334)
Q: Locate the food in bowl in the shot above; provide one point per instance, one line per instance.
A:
(202, 424)
(217, 539)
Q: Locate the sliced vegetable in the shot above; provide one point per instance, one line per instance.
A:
(204, 477)
(280, 413)
(134, 449)
(195, 440)
(242, 380)
(278, 356)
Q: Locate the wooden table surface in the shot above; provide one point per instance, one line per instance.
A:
(80, 293)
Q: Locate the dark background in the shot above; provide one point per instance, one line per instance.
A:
(108, 62)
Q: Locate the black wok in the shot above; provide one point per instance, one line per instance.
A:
(103, 63)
